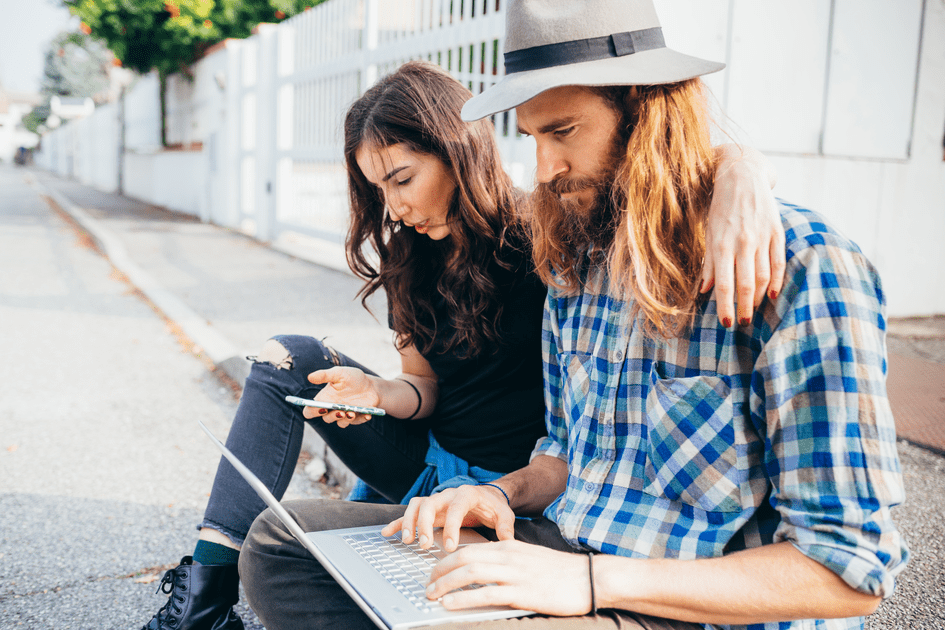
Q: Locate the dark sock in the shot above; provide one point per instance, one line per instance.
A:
(208, 552)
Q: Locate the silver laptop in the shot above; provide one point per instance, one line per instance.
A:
(384, 576)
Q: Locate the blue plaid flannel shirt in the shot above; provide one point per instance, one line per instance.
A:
(730, 439)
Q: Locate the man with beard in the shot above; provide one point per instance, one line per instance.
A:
(694, 473)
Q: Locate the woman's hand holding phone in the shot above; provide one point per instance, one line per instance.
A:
(346, 386)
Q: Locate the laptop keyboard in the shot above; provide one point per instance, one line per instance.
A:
(407, 567)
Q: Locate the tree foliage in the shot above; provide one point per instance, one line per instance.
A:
(36, 118)
(168, 35)
(75, 65)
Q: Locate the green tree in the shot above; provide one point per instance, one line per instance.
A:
(36, 118)
(169, 35)
(75, 65)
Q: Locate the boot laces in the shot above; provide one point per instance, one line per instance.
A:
(172, 584)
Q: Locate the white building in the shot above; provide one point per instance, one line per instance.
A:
(13, 106)
(63, 108)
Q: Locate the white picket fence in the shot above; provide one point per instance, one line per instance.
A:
(259, 125)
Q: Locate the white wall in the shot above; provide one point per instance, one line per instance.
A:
(173, 179)
(894, 209)
(96, 154)
(143, 115)
(829, 91)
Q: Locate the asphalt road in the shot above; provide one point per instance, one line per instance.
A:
(104, 472)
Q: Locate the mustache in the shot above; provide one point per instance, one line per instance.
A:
(567, 185)
(575, 221)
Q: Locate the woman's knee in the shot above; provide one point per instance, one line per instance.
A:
(281, 368)
(276, 354)
(297, 353)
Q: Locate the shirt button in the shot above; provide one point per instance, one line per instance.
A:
(589, 486)
(618, 355)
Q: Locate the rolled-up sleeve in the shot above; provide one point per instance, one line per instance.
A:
(820, 387)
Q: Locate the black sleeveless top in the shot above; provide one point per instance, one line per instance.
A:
(490, 409)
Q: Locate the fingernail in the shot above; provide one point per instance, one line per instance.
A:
(744, 321)
(450, 545)
(727, 322)
(423, 540)
(405, 534)
(430, 589)
(773, 294)
(447, 600)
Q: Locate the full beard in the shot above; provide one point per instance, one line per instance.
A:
(579, 224)
(576, 224)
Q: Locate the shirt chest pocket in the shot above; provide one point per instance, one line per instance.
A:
(694, 453)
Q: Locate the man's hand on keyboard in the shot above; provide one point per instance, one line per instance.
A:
(466, 506)
(516, 574)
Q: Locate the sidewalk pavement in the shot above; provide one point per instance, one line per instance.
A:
(916, 381)
(229, 293)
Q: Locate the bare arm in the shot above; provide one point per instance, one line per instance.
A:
(771, 583)
(744, 256)
(400, 398)
(533, 488)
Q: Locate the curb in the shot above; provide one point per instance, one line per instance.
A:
(217, 348)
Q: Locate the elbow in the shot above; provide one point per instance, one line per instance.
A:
(855, 604)
(841, 600)
(867, 605)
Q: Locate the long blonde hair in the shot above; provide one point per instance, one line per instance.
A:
(661, 195)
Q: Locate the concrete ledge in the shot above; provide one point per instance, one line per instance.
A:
(930, 327)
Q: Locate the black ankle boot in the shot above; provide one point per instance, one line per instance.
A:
(201, 598)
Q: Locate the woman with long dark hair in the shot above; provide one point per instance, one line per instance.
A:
(437, 224)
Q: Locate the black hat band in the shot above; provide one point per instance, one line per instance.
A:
(580, 50)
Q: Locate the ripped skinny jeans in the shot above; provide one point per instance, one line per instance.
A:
(266, 435)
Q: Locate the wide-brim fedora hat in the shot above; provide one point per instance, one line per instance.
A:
(552, 43)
